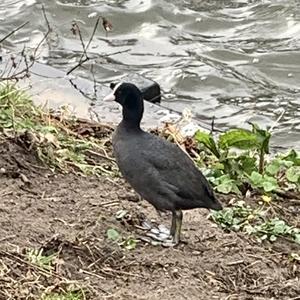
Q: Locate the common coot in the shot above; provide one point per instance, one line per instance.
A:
(156, 169)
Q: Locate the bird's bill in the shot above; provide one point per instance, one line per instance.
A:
(110, 97)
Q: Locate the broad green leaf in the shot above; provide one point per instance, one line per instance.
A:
(273, 168)
(269, 184)
(226, 185)
(207, 140)
(293, 174)
(239, 138)
(279, 227)
(256, 178)
(112, 234)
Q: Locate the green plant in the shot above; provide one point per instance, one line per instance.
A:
(238, 160)
(44, 261)
(267, 183)
(128, 243)
(241, 217)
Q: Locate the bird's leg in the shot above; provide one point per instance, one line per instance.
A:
(178, 222)
(174, 237)
(173, 226)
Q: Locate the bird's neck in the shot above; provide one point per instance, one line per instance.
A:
(132, 118)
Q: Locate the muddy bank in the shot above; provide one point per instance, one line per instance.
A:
(68, 215)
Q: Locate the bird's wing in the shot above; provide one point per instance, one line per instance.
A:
(175, 168)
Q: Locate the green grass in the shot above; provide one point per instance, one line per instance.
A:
(44, 261)
(52, 139)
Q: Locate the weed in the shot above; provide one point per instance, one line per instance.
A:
(44, 261)
(241, 217)
(237, 162)
(128, 243)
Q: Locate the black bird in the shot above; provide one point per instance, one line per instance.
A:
(156, 169)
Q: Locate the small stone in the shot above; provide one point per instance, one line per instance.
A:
(255, 60)
(290, 75)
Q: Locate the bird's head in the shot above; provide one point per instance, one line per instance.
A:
(131, 99)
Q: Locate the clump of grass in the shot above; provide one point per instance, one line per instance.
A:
(39, 259)
(51, 137)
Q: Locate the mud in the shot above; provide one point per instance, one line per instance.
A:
(69, 215)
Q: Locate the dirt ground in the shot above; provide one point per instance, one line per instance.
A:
(70, 214)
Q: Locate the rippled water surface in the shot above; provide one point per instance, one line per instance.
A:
(236, 60)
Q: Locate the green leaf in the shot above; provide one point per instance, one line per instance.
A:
(224, 188)
(247, 164)
(239, 138)
(207, 140)
(279, 227)
(262, 136)
(256, 178)
(293, 156)
(269, 183)
(293, 174)
(112, 234)
(269, 186)
(273, 168)
(226, 185)
(130, 244)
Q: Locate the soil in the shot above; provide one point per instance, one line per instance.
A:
(70, 214)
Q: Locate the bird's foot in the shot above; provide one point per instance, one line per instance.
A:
(170, 242)
(161, 236)
(159, 233)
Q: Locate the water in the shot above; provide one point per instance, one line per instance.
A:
(236, 60)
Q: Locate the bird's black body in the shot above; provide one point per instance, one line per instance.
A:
(160, 171)
(157, 169)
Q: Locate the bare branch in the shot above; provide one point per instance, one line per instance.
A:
(84, 56)
(24, 72)
(45, 17)
(12, 32)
